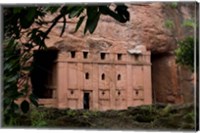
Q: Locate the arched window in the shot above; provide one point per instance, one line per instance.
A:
(103, 76)
(86, 75)
(118, 77)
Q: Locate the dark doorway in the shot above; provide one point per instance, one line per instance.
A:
(86, 100)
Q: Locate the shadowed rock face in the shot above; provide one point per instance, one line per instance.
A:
(147, 26)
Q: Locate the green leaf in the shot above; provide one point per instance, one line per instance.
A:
(122, 13)
(25, 106)
(7, 86)
(27, 17)
(33, 99)
(104, 10)
(24, 23)
(7, 66)
(14, 78)
(189, 23)
(185, 52)
(169, 24)
(52, 9)
(91, 12)
(7, 101)
(92, 26)
(174, 5)
(17, 10)
(14, 106)
(31, 13)
(76, 12)
(79, 23)
(65, 10)
(28, 45)
(92, 20)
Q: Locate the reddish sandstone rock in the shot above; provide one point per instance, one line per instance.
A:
(146, 27)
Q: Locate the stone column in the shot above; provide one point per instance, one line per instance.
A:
(80, 85)
(129, 86)
(112, 86)
(61, 82)
(147, 84)
(95, 86)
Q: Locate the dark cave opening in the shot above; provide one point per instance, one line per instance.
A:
(42, 68)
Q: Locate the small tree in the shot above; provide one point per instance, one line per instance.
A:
(185, 52)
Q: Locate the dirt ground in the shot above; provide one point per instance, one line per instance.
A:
(154, 117)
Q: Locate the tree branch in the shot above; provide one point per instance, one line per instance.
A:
(50, 28)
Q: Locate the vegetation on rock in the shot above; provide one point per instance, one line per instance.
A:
(185, 52)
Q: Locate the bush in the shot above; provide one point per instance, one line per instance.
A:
(185, 52)
(38, 118)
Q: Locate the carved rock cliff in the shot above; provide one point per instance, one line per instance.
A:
(147, 26)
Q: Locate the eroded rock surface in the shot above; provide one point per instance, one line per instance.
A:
(146, 27)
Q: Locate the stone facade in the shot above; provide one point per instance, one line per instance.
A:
(99, 80)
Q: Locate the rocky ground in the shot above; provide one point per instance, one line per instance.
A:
(156, 117)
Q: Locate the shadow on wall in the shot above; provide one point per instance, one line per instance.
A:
(170, 84)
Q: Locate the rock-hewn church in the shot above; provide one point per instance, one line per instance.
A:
(110, 77)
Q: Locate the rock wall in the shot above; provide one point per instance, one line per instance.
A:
(147, 26)
(165, 79)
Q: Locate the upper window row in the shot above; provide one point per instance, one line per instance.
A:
(102, 76)
(102, 55)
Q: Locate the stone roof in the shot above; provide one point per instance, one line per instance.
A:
(90, 44)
